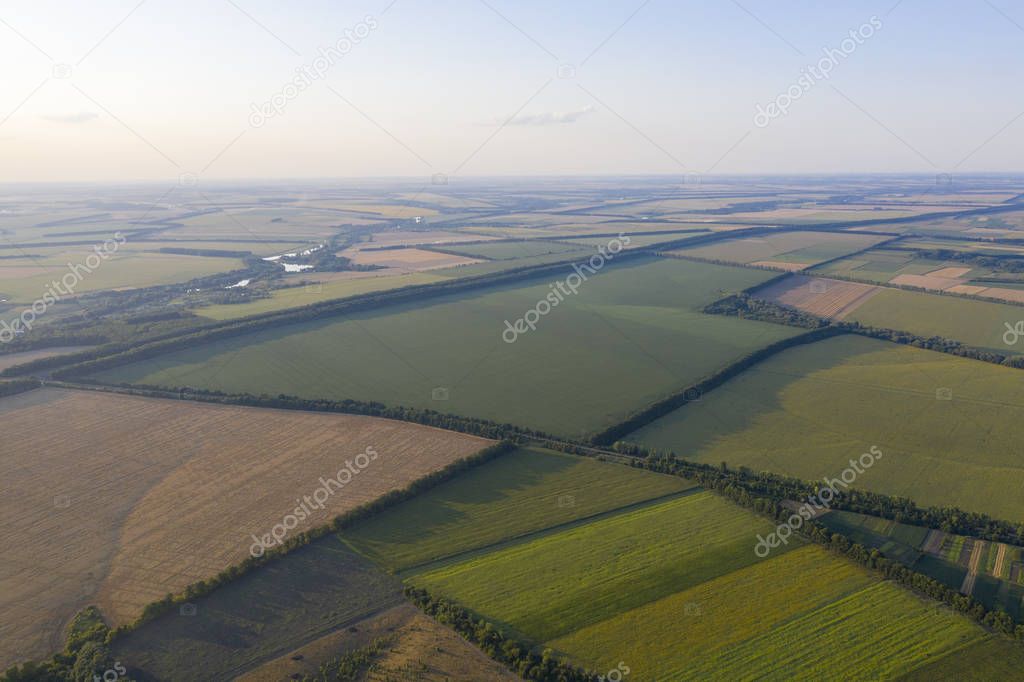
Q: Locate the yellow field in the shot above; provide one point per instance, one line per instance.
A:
(125, 499)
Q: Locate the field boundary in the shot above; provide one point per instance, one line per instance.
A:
(529, 536)
(695, 391)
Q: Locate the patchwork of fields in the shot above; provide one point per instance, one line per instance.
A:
(949, 427)
(991, 572)
(605, 593)
(639, 321)
(126, 499)
(787, 250)
(121, 500)
(527, 491)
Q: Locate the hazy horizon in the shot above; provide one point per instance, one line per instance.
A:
(129, 91)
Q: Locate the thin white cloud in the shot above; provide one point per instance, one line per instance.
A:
(549, 117)
(81, 117)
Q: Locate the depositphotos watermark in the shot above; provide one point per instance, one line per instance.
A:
(812, 74)
(308, 503)
(563, 288)
(314, 71)
(65, 286)
(817, 503)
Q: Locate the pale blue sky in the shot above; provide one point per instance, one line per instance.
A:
(673, 89)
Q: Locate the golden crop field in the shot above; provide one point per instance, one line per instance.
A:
(123, 499)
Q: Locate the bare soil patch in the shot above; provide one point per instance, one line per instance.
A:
(823, 297)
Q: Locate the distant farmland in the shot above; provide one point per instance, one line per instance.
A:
(639, 323)
(807, 411)
(788, 250)
(125, 499)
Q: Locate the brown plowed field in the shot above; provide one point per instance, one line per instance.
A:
(122, 499)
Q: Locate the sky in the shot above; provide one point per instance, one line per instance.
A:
(115, 90)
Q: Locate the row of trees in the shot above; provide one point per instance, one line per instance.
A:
(766, 494)
(752, 308)
(516, 655)
(694, 392)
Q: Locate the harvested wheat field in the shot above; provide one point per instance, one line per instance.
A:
(829, 298)
(415, 647)
(126, 498)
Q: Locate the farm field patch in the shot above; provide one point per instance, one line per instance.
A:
(264, 614)
(509, 250)
(937, 451)
(992, 659)
(103, 520)
(796, 248)
(352, 283)
(829, 298)
(416, 647)
(519, 493)
(806, 601)
(554, 585)
(407, 259)
(639, 320)
(981, 324)
(26, 280)
(12, 359)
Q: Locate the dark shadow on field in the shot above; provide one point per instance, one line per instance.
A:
(264, 614)
(432, 513)
(734, 406)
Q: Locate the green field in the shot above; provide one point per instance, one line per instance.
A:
(993, 659)
(551, 586)
(804, 614)
(638, 323)
(808, 410)
(522, 492)
(791, 247)
(976, 323)
(510, 250)
(263, 614)
(293, 297)
(24, 280)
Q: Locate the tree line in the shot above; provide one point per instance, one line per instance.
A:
(518, 656)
